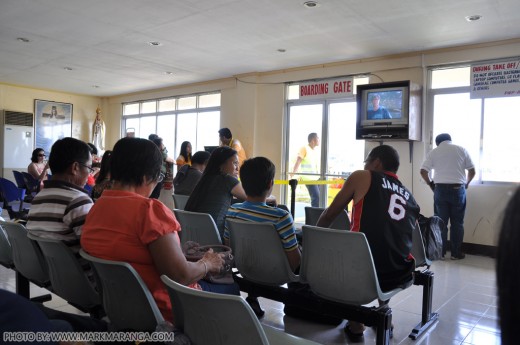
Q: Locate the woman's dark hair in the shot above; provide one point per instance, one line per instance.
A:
(134, 159)
(66, 151)
(256, 174)
(184, 153)
(508, 281)
(218, 157)
(105, 167)
(35, 153)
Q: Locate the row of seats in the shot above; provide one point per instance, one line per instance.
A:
(50, 264)
(326, 273)
(127, 301)
(338, 267)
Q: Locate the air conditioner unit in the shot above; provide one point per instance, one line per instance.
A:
(17, 139)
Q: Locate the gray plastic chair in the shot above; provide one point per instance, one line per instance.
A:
(338, 266)
(6, 255)
(312, 214)
(198, 227)
(251, 242)
(68, 278)
(127, 301)
(27, 256)
(29, 263)
(210, 318)
(180, 201)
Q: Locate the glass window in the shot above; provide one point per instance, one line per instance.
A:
(487, 128)
(212, 100)
(148, 107)
(450, 77)
(133, 123)
(167, 105)
(500, 140)
(208, 124)
(459, 116)
(166, 130)
(187, 103)
(186, 129)
(198, 127)
(147, 126)
(131, 109)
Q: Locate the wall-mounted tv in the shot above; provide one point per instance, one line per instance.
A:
(383, 104)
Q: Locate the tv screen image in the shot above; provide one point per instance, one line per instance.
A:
(386, 104)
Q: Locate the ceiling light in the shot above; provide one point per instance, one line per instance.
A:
(311, 4)
(155, 43)
(473, 18)
(168, 73)
(67, 68)
(23, 39)
(95, 86)
(281, 50)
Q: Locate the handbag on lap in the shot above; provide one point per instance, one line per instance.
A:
(194, 252)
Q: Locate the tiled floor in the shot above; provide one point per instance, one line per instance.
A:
(464, 296)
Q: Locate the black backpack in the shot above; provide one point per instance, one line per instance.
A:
(431, 231)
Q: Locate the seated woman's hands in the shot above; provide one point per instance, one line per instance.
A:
(213, 260)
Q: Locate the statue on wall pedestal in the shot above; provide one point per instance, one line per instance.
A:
(98, 132)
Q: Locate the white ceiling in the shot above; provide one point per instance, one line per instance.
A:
(105, 42)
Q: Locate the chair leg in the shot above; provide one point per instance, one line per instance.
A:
(428, 317)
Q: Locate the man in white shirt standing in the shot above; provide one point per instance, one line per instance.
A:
(450, 163)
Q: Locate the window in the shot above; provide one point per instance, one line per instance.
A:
(338, 153)
(193, 118)
(488, 128)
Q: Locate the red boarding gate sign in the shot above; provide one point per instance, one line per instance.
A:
(331, 88)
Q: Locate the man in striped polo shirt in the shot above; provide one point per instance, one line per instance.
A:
(59, 210)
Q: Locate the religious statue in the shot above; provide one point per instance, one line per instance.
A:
(98, 132)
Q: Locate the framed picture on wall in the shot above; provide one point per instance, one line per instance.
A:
(53, 122)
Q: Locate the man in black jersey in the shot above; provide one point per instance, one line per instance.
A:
(386, 212)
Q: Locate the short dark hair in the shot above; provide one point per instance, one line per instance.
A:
(153, 136)
(256, 175)
(311, 136)
(388, 157)
(35, 153)
(66, 151)
(225, 132)
(442, 137)
(200, 157)
(134, 159)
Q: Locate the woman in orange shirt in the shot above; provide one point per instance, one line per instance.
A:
(185, 155)
(126, 225)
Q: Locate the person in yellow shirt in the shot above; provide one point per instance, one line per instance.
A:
(308, 160)
(226, 139)
(185, 155)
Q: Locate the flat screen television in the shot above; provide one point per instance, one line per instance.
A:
(383, 105)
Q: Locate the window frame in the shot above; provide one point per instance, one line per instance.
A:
(431, 93)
